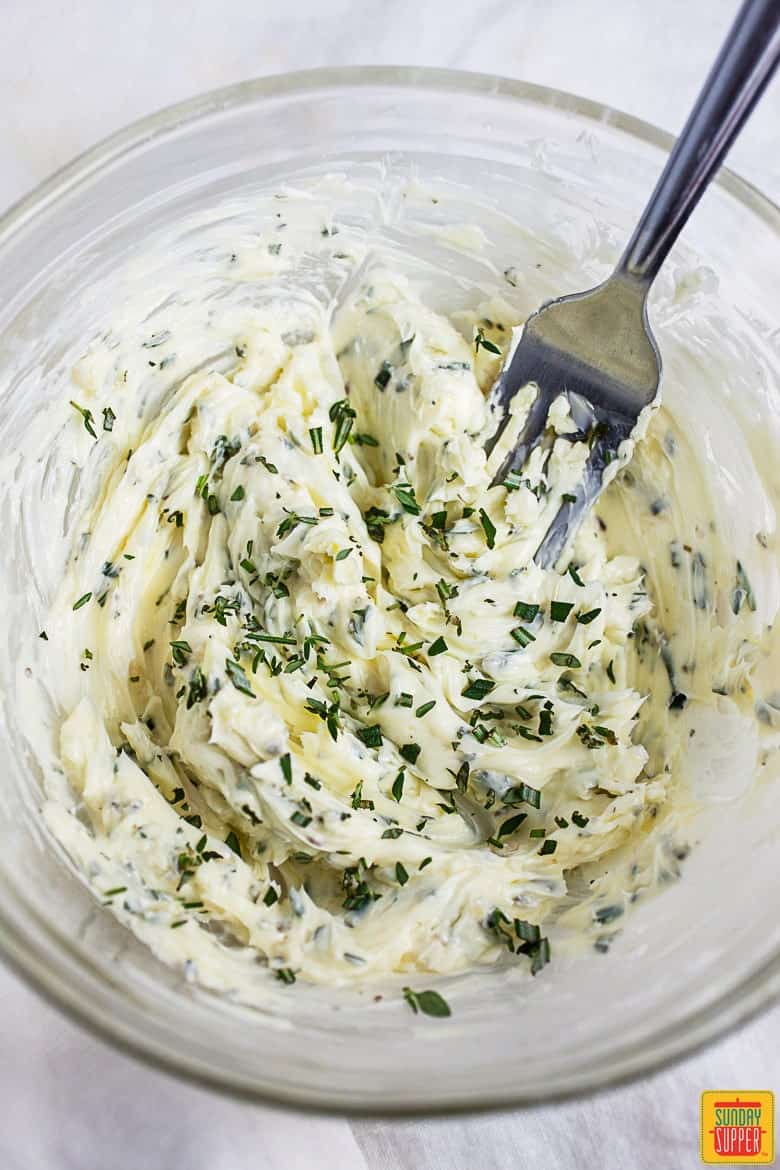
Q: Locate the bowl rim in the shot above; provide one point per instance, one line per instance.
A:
(759, 989)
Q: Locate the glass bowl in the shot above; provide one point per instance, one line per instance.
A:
(690, 963)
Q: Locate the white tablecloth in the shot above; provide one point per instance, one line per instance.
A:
(72, 73)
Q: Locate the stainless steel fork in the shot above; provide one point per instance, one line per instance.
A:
(596, 347)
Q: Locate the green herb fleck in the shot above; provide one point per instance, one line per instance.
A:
(370, 736)
(430, 1003)
(478, 688)
(488, 527)
(562, 659)
(526, 611)
(560, 610)
(238, 678)
(398, 786)
(87, 418)
(410, 752)
(482, 342)
(586, 618)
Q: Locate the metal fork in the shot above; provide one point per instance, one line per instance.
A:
(596, 347)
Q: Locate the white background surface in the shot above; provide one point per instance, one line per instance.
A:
(74, 72)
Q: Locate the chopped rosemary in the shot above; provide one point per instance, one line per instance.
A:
(398, 786)
(404, 493)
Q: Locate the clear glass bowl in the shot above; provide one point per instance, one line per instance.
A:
(690, 963)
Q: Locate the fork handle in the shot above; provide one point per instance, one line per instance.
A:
(739, 76)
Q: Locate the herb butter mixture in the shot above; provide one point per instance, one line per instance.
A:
(331, 719)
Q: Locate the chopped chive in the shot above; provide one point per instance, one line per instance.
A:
(425, 708)
(383, 376)
(285, 763)
(478, 688)
(560, 610)
(370, 736)
(488, 527)
(343, 553)
(526, 611)
(238, 494)
(586, 618)
(439, 646)
(232, 842)
(610, 671)
(545, 721)
(548, 846)
(539, 955)
(579, 820)
(315, 434)
(522, 636)
(561, 659)
(401, 876)
(85, 597)
(270, 896)
(410, 752)
(343, 416)
(576, 578)
(511, 824)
